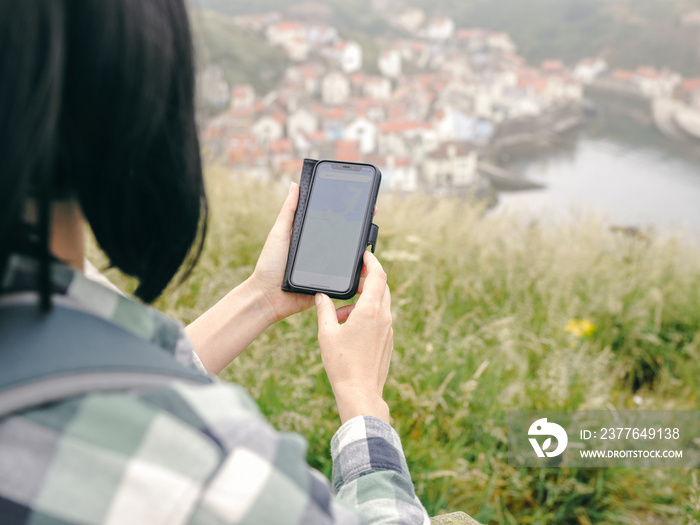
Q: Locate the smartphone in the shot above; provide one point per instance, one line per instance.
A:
(335, 229)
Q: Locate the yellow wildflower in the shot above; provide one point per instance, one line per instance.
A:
(580, 327)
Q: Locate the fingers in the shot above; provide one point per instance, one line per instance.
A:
(361, 285)
(374, 286)
(363, 275)
(344, 312)
(285, 219)
(325, 310)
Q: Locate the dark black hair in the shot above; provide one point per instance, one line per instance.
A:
(97, 104)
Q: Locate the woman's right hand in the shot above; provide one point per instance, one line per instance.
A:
(357, 353)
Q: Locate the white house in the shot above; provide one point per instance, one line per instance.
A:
(301, 123)
(364, 132)
(389, 63)
(518, 103)
(282, 33)
(401, 174)
(335, 89)
(297, 49)
(348, 55)
(243, 97)
(377, 88)
(473, 39)
(483, 103)
(587, 70)
(453, 164)
(322, 35)
(268, 128)
(393, 136)
(410, 19)
(501, 42)
(452, 124)
(656, 84)
(691, 92)
(439, 29)
(280, 151)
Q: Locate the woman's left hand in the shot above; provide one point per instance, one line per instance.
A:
(269, 270)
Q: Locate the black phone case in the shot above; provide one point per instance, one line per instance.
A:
(304, 190)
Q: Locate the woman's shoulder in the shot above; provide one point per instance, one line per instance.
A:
(85, 458)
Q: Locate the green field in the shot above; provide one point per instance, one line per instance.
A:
(481, 306)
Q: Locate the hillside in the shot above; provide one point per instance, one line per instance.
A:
(244, 57)
(626, 32)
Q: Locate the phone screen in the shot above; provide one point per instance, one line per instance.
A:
(336, 216)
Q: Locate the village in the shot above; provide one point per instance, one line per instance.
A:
(441, 103)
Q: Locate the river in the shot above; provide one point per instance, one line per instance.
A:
(615, 168)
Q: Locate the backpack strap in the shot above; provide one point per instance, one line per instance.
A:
(68, 352)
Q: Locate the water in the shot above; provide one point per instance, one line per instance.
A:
(621, 170)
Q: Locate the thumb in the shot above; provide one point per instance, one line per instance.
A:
(285, 219)
(325, 311)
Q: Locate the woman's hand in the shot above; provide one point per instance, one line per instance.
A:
(269, 270)
(356, 354)
(227, 328)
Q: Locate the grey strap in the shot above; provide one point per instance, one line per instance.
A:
(68, 352)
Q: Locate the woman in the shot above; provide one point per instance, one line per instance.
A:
(97, 125)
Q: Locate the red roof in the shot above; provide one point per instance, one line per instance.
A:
(375, 80)
(243, 150)
(398, 126)
(347, 150)
(242, 91)
(292, 166)
(528, 78)
(552, 65)
(541, 85)
(281, 147)
(396, 113)
(241, 112)
(332, 113)
(288, 26)
(375, 159)
(620, 74)
(691, 84)
(317, 136)
(648, 72)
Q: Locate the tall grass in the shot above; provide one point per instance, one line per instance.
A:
(480, 307)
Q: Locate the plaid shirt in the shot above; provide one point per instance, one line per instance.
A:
(183, 454)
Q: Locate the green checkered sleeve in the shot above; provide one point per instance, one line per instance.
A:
(371, 475)
(191, 454)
